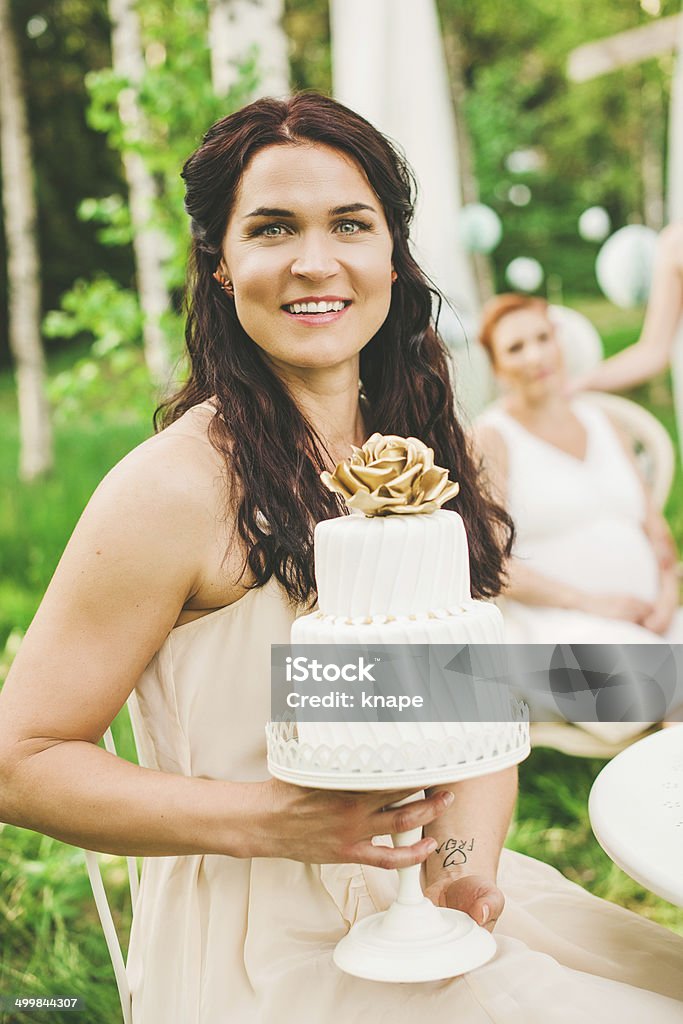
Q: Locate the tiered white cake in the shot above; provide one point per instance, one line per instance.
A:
(396, 571)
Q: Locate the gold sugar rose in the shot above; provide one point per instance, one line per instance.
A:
(391, 475)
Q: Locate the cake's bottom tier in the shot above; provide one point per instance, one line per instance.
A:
(468, 713)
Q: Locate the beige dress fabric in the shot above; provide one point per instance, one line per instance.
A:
(218, 940)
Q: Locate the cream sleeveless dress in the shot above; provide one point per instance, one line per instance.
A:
(219, 940)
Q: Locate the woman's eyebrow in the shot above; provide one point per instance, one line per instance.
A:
(274, 211)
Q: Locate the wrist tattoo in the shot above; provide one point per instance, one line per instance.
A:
(454, 851)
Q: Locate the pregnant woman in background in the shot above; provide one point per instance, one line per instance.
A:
(195, 554)
(593, 560)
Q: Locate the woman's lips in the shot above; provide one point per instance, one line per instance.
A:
(316, 319)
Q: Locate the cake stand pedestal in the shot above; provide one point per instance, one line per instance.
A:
(413, 940)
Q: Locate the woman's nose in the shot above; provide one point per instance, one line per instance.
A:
(534, 355)
(315, 258)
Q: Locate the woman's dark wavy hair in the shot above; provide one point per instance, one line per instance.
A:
(273, 455)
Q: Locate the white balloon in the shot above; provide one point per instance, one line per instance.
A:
(581, 344)
(519, 195)
(624, 265)
(594, 224)
(524, 273)
(480, 227)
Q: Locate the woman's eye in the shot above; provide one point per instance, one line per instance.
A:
(352, 227)
(271, 230)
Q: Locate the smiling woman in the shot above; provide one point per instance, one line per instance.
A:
(308, 328)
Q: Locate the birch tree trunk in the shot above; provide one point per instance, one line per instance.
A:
(23, 265)
(237, 26)
(149, 244)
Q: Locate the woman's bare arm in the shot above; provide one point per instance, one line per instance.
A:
(471, 833)
(651, 354)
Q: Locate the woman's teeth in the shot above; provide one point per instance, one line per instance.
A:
(315, 307)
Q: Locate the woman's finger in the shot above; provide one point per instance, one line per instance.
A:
(412, 815)
(393, 796)
(393, 857)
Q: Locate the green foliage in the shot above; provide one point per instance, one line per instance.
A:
(177, 104)
(111, 211)
(101, 307)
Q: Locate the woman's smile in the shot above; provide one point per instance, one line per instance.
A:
(315, 311)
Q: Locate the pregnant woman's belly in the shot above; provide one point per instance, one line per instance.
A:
(610, 556)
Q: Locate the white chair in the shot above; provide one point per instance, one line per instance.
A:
(93, 865)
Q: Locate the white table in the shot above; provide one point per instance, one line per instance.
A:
(636, 811)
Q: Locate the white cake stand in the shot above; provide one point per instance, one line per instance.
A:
(413, 940)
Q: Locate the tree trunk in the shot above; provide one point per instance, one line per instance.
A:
(23, 265)
(481, 264)
(149, 244)
(237, 26)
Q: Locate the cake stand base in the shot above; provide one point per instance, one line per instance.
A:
(414, 942)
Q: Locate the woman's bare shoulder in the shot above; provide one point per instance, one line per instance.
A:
(178, 464)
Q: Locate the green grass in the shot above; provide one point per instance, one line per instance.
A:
(50, 938)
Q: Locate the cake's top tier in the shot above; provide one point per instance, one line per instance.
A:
(398, 553)
(391, 475)
(391, 565)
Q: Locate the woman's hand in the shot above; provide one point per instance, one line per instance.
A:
(476, 895)
(319, 826)
(615, 606)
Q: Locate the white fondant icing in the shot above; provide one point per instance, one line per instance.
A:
(391, 565)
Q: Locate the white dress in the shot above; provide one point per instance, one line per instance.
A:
(578, 521)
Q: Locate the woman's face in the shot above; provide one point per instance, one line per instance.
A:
(527, 357)
(307, 232)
